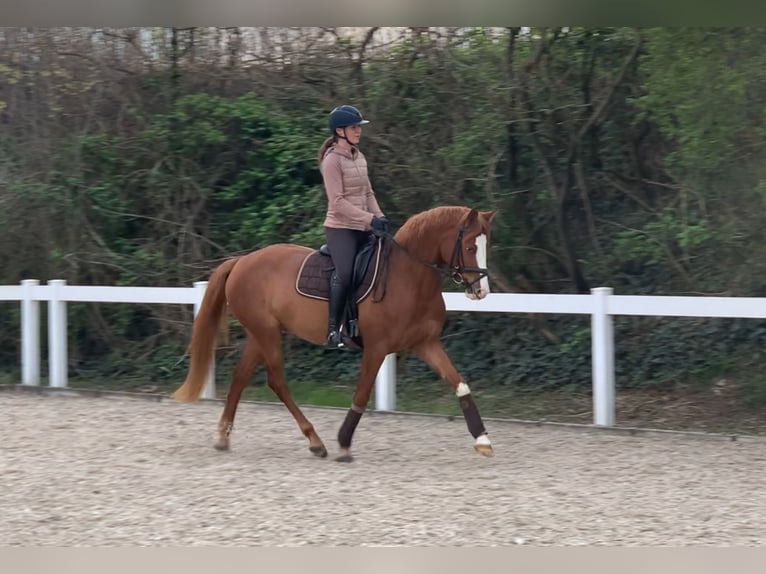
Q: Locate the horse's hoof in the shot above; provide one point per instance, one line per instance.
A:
(319, 451)
(344, 458)
(484, 449)
(221, 445)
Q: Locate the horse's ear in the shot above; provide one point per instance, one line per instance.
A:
(470, 218)
(488, 215)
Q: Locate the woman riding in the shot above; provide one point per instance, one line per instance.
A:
(352, 210)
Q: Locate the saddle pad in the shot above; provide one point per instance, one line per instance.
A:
(315, 271)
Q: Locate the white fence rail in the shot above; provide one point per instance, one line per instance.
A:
(602, 305)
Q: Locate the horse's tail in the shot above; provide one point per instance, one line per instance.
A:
(207, 324)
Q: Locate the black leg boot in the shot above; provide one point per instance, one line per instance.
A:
(337, 304)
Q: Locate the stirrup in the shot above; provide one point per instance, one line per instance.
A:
(335, 341)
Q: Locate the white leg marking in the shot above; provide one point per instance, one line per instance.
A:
(462, 390)
(483, 440)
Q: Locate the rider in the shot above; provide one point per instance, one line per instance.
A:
(352, 210)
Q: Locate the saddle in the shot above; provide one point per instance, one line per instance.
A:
(316, 270)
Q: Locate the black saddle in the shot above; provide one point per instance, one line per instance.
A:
(361, 261)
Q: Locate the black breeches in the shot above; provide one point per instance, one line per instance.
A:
(344, 244)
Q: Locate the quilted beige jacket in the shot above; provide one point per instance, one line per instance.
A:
(351, 202)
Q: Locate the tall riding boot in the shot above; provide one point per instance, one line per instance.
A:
(337, 304)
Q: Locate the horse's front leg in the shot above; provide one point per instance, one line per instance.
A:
(432, 353)
(372, 359)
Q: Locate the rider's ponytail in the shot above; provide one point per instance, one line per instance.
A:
(323, 148)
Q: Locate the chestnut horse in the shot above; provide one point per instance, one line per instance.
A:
(260, 290)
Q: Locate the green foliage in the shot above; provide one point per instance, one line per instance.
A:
(704, 89)
(753, 391)
(658, 237)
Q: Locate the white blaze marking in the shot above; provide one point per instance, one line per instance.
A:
(462, 390)
(481, 260)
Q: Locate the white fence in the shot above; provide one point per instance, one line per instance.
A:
(602, 305)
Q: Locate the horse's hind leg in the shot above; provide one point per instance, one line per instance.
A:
(276, 381)
(251, 357)
(372, 358)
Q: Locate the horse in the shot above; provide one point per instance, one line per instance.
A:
(259, 289)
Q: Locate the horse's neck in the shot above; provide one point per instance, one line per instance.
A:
(419, 255)
(423, 252)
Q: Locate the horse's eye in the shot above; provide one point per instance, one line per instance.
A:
(470, 249)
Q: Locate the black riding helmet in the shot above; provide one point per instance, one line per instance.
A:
(344, 116)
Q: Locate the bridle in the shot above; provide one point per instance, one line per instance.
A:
(456, 268)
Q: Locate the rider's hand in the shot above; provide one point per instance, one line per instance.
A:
(379, 223)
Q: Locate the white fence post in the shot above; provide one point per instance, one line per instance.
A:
(385, 385)
(602, 346)
(208, 392)
(30, 334)
(57, 336)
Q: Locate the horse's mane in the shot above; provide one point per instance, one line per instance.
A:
(417, 226)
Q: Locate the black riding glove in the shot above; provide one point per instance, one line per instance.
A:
(379, 224)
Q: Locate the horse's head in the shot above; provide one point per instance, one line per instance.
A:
(466, 252)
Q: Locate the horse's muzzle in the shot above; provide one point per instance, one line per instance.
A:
(476, 295)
